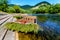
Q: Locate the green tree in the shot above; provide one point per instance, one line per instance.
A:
(51, 9)
(42, 9)
(10, 10)
(17, 8)
(3, 5)
(57, 7)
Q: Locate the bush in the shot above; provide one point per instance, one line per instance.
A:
(22, 27)
(18, 17)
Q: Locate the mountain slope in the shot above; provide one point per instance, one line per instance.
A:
(44, 2)
(26, 7)
(41, 4)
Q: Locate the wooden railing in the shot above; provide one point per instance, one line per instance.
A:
(3, 30)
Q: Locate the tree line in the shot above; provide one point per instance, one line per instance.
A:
(52, 9)
(45, 8)
(5, 7)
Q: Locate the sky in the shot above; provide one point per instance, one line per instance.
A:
(31, 2)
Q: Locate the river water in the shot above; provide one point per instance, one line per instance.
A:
(51, 26)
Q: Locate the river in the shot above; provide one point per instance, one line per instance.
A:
(50, 25)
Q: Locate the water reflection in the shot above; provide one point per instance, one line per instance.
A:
(30, 36)
(51, 26)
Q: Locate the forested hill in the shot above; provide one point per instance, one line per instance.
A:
(44, 2)
(29, 6)
(26, 7)
(45, 7)
(42, 7)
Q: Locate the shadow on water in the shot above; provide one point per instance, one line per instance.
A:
(31, 36)
(50, 25)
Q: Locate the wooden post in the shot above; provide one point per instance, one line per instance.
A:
(16, 36)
